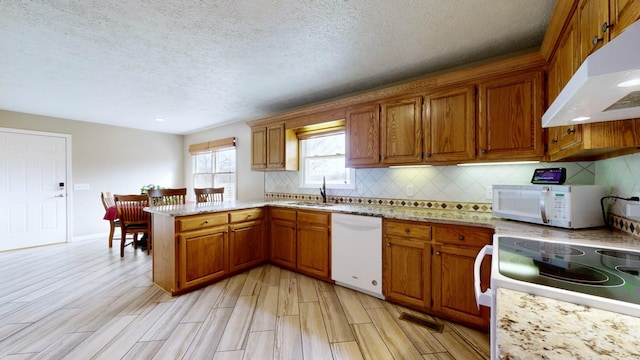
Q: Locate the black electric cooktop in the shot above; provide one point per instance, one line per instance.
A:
(608, 273)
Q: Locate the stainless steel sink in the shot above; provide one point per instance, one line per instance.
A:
(310, 203)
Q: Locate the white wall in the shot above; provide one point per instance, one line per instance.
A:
(108, 158)
(250, 183)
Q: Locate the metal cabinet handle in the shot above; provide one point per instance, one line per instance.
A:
(59, 196)
(437, 252)
(406, 230)
(427, 155)
(606, 26)
(484, 151)
(554, 141)
(570, 131)
(388, 245)
(206, 221)
(461, 237)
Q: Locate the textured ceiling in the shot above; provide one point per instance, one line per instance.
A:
(200, 64)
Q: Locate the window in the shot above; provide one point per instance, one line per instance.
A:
(323, 156)
(215, 166)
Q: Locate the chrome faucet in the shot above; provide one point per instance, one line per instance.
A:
(323, 191)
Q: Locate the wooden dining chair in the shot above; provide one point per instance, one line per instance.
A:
(110, 214)
(209, 194)
(133, 218)
(159, 197)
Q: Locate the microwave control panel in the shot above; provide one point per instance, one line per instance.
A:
(560, 206)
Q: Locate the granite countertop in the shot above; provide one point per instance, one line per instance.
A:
(536, 327)
(597, 237)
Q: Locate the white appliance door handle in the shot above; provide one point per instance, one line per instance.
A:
(543, 204)
(482, 298)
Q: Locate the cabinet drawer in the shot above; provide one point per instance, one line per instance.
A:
(422, 232)
(463, 235)
(245, 215)
(201, 221)
(320, 218)
(283, 214)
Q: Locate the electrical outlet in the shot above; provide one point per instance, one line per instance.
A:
(488, 192)
(409, 190)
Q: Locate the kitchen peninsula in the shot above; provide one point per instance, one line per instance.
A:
(198, 244)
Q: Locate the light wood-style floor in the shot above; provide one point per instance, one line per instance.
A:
(82, 301)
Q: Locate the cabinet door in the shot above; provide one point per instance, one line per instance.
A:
(313, 250)
(452, 274)
(406, 273)
(622, 14)
(259, 148)
(592, 15)
(401, 131)
(362, 131)
(283, 243)
(510, 118)
(449, 125)
(246, 245)
(203, 256)
(275, 146)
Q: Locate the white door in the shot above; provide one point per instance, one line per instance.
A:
(33, 189)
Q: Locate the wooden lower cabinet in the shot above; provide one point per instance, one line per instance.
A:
(202, 256)
(407, 262)
(429, 267)
(246, 245)
(452, 273)
(301, 241)
(196, 250)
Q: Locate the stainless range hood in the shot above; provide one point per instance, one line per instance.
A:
(605, 87)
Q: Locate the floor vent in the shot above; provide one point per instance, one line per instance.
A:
(422, 322)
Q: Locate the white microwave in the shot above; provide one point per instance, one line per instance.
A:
(565, 206)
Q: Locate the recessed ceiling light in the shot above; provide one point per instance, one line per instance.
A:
(159, 120)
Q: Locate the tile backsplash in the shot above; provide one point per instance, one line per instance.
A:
(448, 184)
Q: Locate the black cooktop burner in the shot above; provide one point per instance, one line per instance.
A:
(550, 248)
(577, 273)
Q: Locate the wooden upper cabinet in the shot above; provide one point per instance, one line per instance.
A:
(259, 148)
(563, 64)
(510, 113)
(273, 148)
(593, 21)
(622, 13)
(449, 125)
(401, 130)
(362, 140)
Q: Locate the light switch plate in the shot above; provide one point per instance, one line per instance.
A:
(81, 187)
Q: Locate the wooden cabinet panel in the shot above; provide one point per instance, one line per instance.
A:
(273, 147)
(313, 250)
(283, 243)
(407, 229)
(246, 215)
(401, 130)
(510, 118)
(462, 235)
(246, 245)
(622, 13)
(203, 256)
(318, 218)
(406, 274)
(197, 222)
(259, 148)
(592, 15)
(362, 135)
(449, 125)
(453, 294)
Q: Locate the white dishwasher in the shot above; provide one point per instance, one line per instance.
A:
(356, 252)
